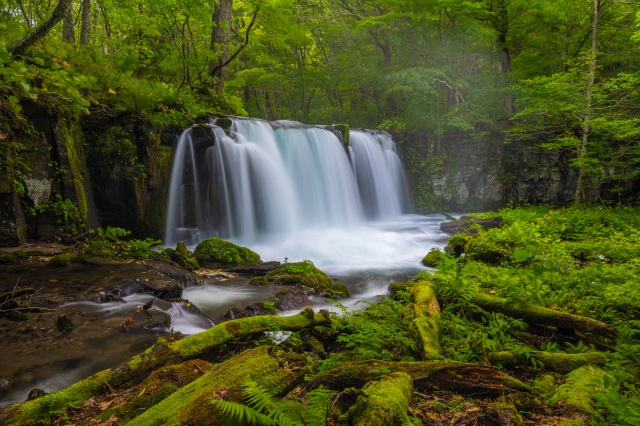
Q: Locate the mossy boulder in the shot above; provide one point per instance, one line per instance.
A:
(456, 245)
(8, 258)
(63, 259)
(216, 251)
(305, 274)
(183, 257)
(433, 258)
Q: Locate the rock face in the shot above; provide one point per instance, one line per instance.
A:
(457, 172)
(119, 179)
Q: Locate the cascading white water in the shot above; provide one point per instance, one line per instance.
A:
(271, 180)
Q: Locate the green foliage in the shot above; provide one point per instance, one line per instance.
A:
(262, 408)
(111, 242)
(66, 216)
(381, 331)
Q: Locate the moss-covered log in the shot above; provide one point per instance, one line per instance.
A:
(273, 369)
(579, 386)
(541, 315)
(383, 402)
(163, 353)
(557, 362)
(469, 379)
(426, 312)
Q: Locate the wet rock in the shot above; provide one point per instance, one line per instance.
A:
(252, 310)
(469, 225)
(287, 300)
(5, 384)
(17, 316)
(67, 322)
(257, 268)
(35, 393)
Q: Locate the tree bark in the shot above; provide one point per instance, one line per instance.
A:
(68, 30)
(468, 379)
(21, 46)
(426, 313)
(550, 361)
(220, 39)
(580, 196)
(540, 315)
(85, 29)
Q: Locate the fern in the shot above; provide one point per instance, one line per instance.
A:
(261, 409)
(318, 406)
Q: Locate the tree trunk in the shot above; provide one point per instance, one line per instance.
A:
(426, 313)
(85, 29)
(68, 30)
(540, 315)
(220, 39)
(580, 196)
(21, 46)
(550, 361)
(469, 379)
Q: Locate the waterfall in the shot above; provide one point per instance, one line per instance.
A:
(267, 180)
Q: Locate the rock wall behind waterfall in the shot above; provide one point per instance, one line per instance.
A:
(61, 159)
(459, 173)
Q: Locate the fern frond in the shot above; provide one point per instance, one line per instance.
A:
(318, 406)
(242, 414)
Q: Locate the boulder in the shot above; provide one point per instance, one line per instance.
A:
(216, 251)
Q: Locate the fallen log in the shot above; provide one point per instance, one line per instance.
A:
(540, 315)
(468, 379)
(426, 312)
(383, 402)
(579, 386)
(557, 362)
(273, 369)
(162, 353)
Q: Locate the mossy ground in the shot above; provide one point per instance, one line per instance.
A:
(540, 374)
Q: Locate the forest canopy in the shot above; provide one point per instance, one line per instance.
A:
(563, 75)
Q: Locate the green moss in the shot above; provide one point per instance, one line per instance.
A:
(503, 413)
(307, 275)
(63, 259)
(155, 388)
(221, 333)
(558, 362)
(383, 402)
(191, 404)
(344, 129)
(456, 245)
(8, 258)
(40, 410)
(579, 385)
(433, 258)
(426, 314)
(216, 251)
(183, 257)
(73, 146)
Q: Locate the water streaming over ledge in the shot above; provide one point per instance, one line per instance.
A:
(266, 181)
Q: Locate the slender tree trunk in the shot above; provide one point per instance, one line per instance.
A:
(220, 39)
(85, 30)
(501, 25)
(68, 30)
(21, 46)
(580, 196)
